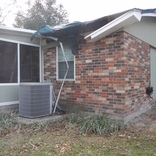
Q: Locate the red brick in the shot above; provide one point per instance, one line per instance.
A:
(109, 74)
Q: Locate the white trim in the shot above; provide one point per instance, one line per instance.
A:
(40, 62)
(24, 43)
(126, 19)
(17, 29)
(9, 84)
(149, 14)
(42, 65)
(18, 59)
(18, 63)
(8, 103)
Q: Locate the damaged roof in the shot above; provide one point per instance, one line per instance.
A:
(96, 28)
(61, 32)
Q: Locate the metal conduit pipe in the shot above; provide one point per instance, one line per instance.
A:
(58, 96)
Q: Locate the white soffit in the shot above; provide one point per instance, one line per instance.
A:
(120, 22)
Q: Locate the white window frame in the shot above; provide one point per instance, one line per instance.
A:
(57, 70)
(18, 62)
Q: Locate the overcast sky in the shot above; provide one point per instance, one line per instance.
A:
(85, 10)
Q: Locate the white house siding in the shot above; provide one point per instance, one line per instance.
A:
(153, 71)
(9, 94)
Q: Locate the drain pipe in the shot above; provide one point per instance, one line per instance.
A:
(58, 96)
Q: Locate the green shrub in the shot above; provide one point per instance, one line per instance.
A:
(77, 118)
(8, 121)
(95, 124)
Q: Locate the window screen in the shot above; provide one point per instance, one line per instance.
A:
(8, 62)
(29, 63)
(62, 64)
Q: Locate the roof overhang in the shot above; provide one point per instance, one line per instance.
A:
(149, 15)
(16, 31)
(149, 12)
(128, 18)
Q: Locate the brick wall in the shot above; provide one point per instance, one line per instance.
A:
(111, 75)
(137, 74)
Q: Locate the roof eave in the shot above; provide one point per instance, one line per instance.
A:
(128, 18)
(19, 31)
(149, 15)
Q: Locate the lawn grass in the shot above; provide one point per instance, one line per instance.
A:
(65, 139)
(57, 143)
(47, 144)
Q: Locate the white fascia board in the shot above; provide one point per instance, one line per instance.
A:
(120, 22)
(149, 15)
(19, 31)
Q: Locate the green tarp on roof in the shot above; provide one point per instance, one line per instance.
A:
(60, 32)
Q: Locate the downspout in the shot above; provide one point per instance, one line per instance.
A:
(58, 96)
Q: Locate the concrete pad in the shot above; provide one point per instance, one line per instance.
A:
(47, 119)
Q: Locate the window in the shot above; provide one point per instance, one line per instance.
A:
(61, 64)
(8, 62)
(29, 63)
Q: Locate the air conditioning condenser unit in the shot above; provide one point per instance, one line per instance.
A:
(35, 99)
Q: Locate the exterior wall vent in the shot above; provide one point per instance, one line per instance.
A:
(35, 99)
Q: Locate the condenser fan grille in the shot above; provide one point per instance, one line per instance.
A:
(35, 99)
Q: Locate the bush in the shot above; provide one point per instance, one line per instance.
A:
(77, 118)
(8, 122)
(95, 124)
